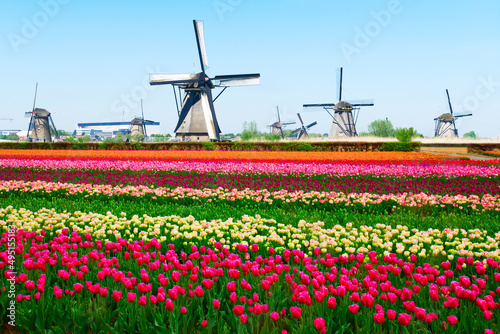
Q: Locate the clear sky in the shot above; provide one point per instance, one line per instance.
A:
(92, 59)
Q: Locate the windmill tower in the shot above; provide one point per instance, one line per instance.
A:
(302, 131)
(445, 124)
(41, 127)
(345, 113)
(278, 126)
(138, 124)
(197, 119)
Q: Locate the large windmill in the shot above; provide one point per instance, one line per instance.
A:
(41, 127)
(345, 113)
(138, 124)
(278, 126)
(445, 124)
(302, 130)
(197, 119)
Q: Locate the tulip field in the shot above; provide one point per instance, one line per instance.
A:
(248, 242)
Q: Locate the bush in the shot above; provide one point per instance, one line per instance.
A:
(405, 135)
(208, 146)
(397, 146)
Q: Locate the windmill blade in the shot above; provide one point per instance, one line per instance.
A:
(317, 107)
(200, 40)
(142, 110)
(449, 101)
(462, 115)
(236, 80)
(287, 123)
(54, 126)
(311, 125)
(339, 83)
(169, 79)
(294, 132)
(34, 100)
(362, 103)
(300, 118)
(278, 113)
(214, 117)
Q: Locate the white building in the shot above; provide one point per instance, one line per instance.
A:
(109, 129)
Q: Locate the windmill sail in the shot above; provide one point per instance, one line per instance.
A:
(344, 113)
(197, 118)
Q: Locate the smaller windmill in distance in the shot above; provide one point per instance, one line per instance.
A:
(138, 124)
(445, 124)
(278, 126)
(302, 131)
(345, 113)
(40, 129)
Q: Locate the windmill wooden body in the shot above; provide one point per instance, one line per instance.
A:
(197, 119)
(344, 113)
(138, 125)
(445, 124)
(278, 126)
(41, 127)
(302, 130)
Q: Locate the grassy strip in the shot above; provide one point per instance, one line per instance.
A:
(421, 218)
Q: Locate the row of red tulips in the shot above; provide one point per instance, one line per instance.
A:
(349, 184)
(72, 282)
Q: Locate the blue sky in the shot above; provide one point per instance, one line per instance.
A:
(92, 59)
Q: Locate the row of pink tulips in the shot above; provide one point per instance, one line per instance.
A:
(485, 202)
(441, 169)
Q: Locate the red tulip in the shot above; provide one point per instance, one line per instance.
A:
(331, 302)
(204, 323)
(169, 304)
(130, 297)
(216, 304)
(452, 320)
(238, 310)
(116, 295)
(391, 314)
(77, 287)
(319, 323)
(243, 318)
(354, 308)
(296, 312)
(275, 316)
(404, 319)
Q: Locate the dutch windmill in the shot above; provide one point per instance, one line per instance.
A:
(197, 119)
(445, 124)
(138, 124)
(302, 131)
(41, 126)
(345, 113)
(278, 126)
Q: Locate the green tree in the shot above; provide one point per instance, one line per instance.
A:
(12, 136)
(63, 133)
(470, 134)
(250, 131)
(119, 137)
(86, 139)
(138, 137)
(381, 128)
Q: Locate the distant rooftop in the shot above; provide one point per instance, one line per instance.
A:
(108, 124)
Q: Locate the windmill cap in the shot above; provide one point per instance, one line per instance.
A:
(343, 105)
(446, 117)
(41, 112)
